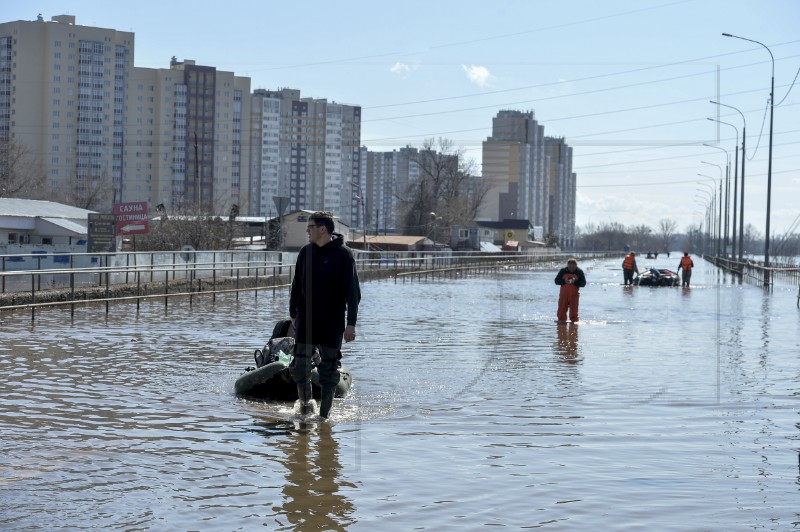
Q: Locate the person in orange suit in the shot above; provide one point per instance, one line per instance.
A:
(686, 265)
(628, 267)
(571, 279)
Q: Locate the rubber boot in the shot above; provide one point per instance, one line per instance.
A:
(306, 398)
(326, 402)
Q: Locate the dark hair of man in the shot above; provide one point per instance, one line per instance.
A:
(324, 218)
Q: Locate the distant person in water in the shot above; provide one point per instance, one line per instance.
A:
(628, 267)
(686, 265)
(571, 279)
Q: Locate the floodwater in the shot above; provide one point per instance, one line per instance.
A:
(663, 409)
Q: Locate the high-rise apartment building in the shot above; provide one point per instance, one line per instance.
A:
(106, 131)
(62, 97)
(307, 150)
(386, 177)
(186, 142)
(513, 167)
(529, 176)
(561, 208)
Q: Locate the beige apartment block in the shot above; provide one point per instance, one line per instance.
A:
(513, 166)
(62, 97)
(106, 131)
(530, 176)
(186, 139)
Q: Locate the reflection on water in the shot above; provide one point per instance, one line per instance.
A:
(663, 408)
(567, 344)
(312, 493)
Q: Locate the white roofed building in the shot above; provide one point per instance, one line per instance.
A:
(25, 223)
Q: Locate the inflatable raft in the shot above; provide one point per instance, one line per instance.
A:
(657, 277)
(272, 380)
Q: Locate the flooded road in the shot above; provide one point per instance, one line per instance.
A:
(664, 408)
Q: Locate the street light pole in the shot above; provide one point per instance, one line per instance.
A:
(735, 182)
(360, 197)
(719, 234)
(711, 223)
(727, 192)
(704, 233)
(769, 164)
(744, 158)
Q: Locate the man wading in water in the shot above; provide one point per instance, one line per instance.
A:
(323, 306)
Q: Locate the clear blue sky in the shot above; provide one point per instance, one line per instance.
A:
(626, 83)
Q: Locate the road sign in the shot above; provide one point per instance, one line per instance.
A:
(281, 202)
(131, 218)
(101, 233)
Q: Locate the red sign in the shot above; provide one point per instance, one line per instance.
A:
(131, 218)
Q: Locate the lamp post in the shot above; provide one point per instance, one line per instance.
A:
(707, 203)
(359, 196)
(769, 164)
(703, 224)
(744, 158)
(727, 193)
(717, 216)
(721, 196)
(696, 235)
(434, 219)
(735, 182)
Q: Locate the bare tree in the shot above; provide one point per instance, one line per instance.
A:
(640, 235)
(753, 240)
(666, 228)
(189, 227)
(694, 239)
(447, 192)
(21, 173)
(90, 192)
(606, 237)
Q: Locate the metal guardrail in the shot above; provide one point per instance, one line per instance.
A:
(755, 272)
(138, 276)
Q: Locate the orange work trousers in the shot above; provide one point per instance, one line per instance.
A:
(568, 302)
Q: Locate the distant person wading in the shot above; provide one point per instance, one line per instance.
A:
(686, 266)
(629, 267)
(571, 279)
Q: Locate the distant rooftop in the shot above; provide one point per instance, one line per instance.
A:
(40, 209)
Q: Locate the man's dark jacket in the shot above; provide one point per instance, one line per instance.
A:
(325, 286)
